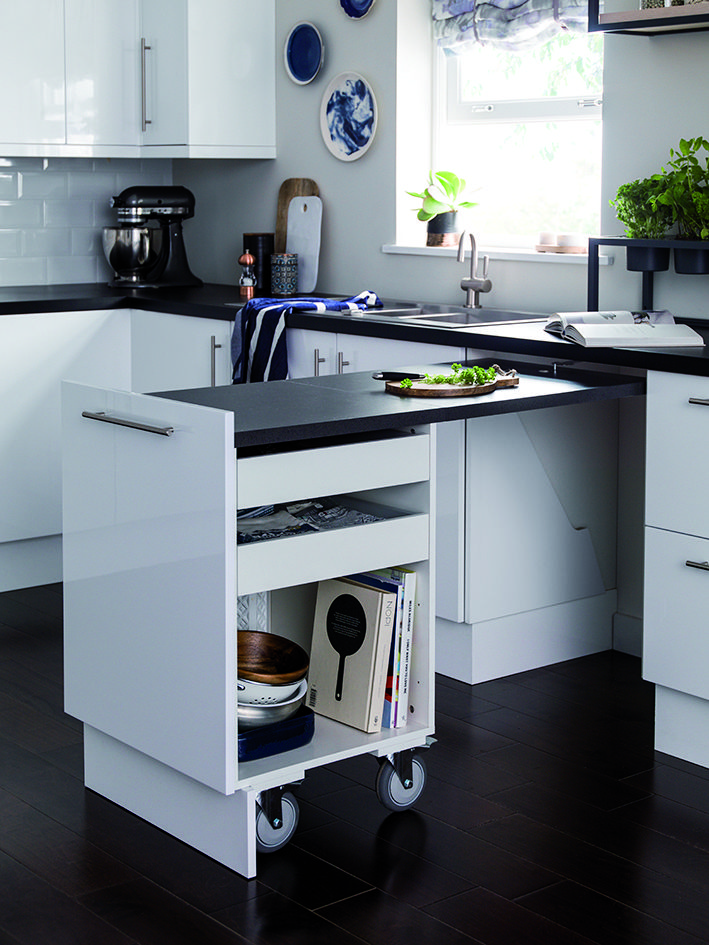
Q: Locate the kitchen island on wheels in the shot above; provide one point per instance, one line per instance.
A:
(153, 573)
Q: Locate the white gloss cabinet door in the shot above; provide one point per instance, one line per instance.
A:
(675, 641)
(677, 452)
(163, 72)
(311, 353)
(38, 351)
(102, 72)
(232, 75)
(178, 352)
(360, 353)
(149, 578)
(32, 72)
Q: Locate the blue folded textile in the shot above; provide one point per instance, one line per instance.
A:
(258, 342)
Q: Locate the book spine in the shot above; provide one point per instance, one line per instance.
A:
(406, 646)
(381, 662)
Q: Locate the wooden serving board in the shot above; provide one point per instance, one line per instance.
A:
(421, 389)
(509, 378)
(293, 187)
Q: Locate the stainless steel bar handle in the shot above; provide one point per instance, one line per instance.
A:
(317, 361)
(122, 422)
(214, 347)
(144, 120)
(702, 565)
(341, 363)
(699, 400)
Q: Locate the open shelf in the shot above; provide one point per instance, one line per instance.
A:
(651, 21)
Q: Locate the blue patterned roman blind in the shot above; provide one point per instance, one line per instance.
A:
(507, 24)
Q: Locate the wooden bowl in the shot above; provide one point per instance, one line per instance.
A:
(269, 658)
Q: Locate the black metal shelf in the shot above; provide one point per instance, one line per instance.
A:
(650, 22)
(647, 276)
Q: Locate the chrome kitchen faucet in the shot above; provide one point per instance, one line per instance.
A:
(474, 284)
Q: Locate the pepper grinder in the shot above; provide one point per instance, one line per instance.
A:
(247, 280)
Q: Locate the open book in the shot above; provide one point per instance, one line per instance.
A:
(618, 329)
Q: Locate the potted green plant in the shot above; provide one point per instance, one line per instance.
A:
(637, 207)
(685, 192)
(441, 202)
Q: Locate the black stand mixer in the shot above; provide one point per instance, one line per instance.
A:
(144, 255)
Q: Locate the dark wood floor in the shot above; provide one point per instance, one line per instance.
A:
(547, 819)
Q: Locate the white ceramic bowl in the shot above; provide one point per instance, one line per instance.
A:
(253, 716)
(250, 692)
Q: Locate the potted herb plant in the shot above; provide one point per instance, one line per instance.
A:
(441, 202)
(685, 192)
(637, 207)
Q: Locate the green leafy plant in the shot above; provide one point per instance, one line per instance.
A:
(465, 376)
(442, 194)
(639, 208)
(684, 189)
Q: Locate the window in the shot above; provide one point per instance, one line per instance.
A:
(524, 130)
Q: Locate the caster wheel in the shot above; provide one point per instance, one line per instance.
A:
(392, 793)
(268, 838)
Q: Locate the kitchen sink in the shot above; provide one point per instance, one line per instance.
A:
(442, 314)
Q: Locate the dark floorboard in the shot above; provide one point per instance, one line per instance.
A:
(548, 819)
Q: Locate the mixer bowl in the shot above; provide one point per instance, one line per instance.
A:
(131, 251)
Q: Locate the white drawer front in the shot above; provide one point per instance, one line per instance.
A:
(334, 470)
(675, 638)
(677, 453)
(301, 559)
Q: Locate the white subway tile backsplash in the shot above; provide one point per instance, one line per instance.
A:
(52, 211)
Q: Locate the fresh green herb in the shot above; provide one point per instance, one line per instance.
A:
(406, 382)
(465, 376)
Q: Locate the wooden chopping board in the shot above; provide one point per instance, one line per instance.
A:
(421, 389)
(293, 187)
(303, 238)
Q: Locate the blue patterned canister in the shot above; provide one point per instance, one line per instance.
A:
(284, 274)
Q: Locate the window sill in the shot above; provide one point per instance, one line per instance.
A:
(508, 255)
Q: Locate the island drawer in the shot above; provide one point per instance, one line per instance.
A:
(675, 641)
(332, 470)
(677, 452)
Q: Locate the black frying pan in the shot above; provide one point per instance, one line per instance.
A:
(346, 625)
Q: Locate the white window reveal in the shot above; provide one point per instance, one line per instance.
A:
(519, 115)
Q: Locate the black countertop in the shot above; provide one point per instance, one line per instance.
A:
(222, 302)
(346, 405)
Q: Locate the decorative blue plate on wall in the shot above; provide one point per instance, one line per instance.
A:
(356, 8)
(303, 53)
(348, 116)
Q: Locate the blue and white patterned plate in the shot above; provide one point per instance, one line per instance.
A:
(348, 116)
(303, 53)
(356, 8)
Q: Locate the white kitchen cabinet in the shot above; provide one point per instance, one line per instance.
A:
(152, 574)
(38, 351)
(32, 74)
(161, 78)
(121, 348)
(102, 72)
(311, 353)
(677, 563)
(175, 352)
(529, 575)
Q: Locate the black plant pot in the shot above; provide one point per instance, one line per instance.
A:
(691, 261)
(647, 258)
(442, 230)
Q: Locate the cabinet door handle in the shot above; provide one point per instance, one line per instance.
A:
(214, 347)
(317, 361)
(702, 565)
(341, 363)
(699, 400)
(122, 422)
(144, 120)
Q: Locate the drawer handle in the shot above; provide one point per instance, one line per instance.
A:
(133, 424)
(699, 400)
(702, 565)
